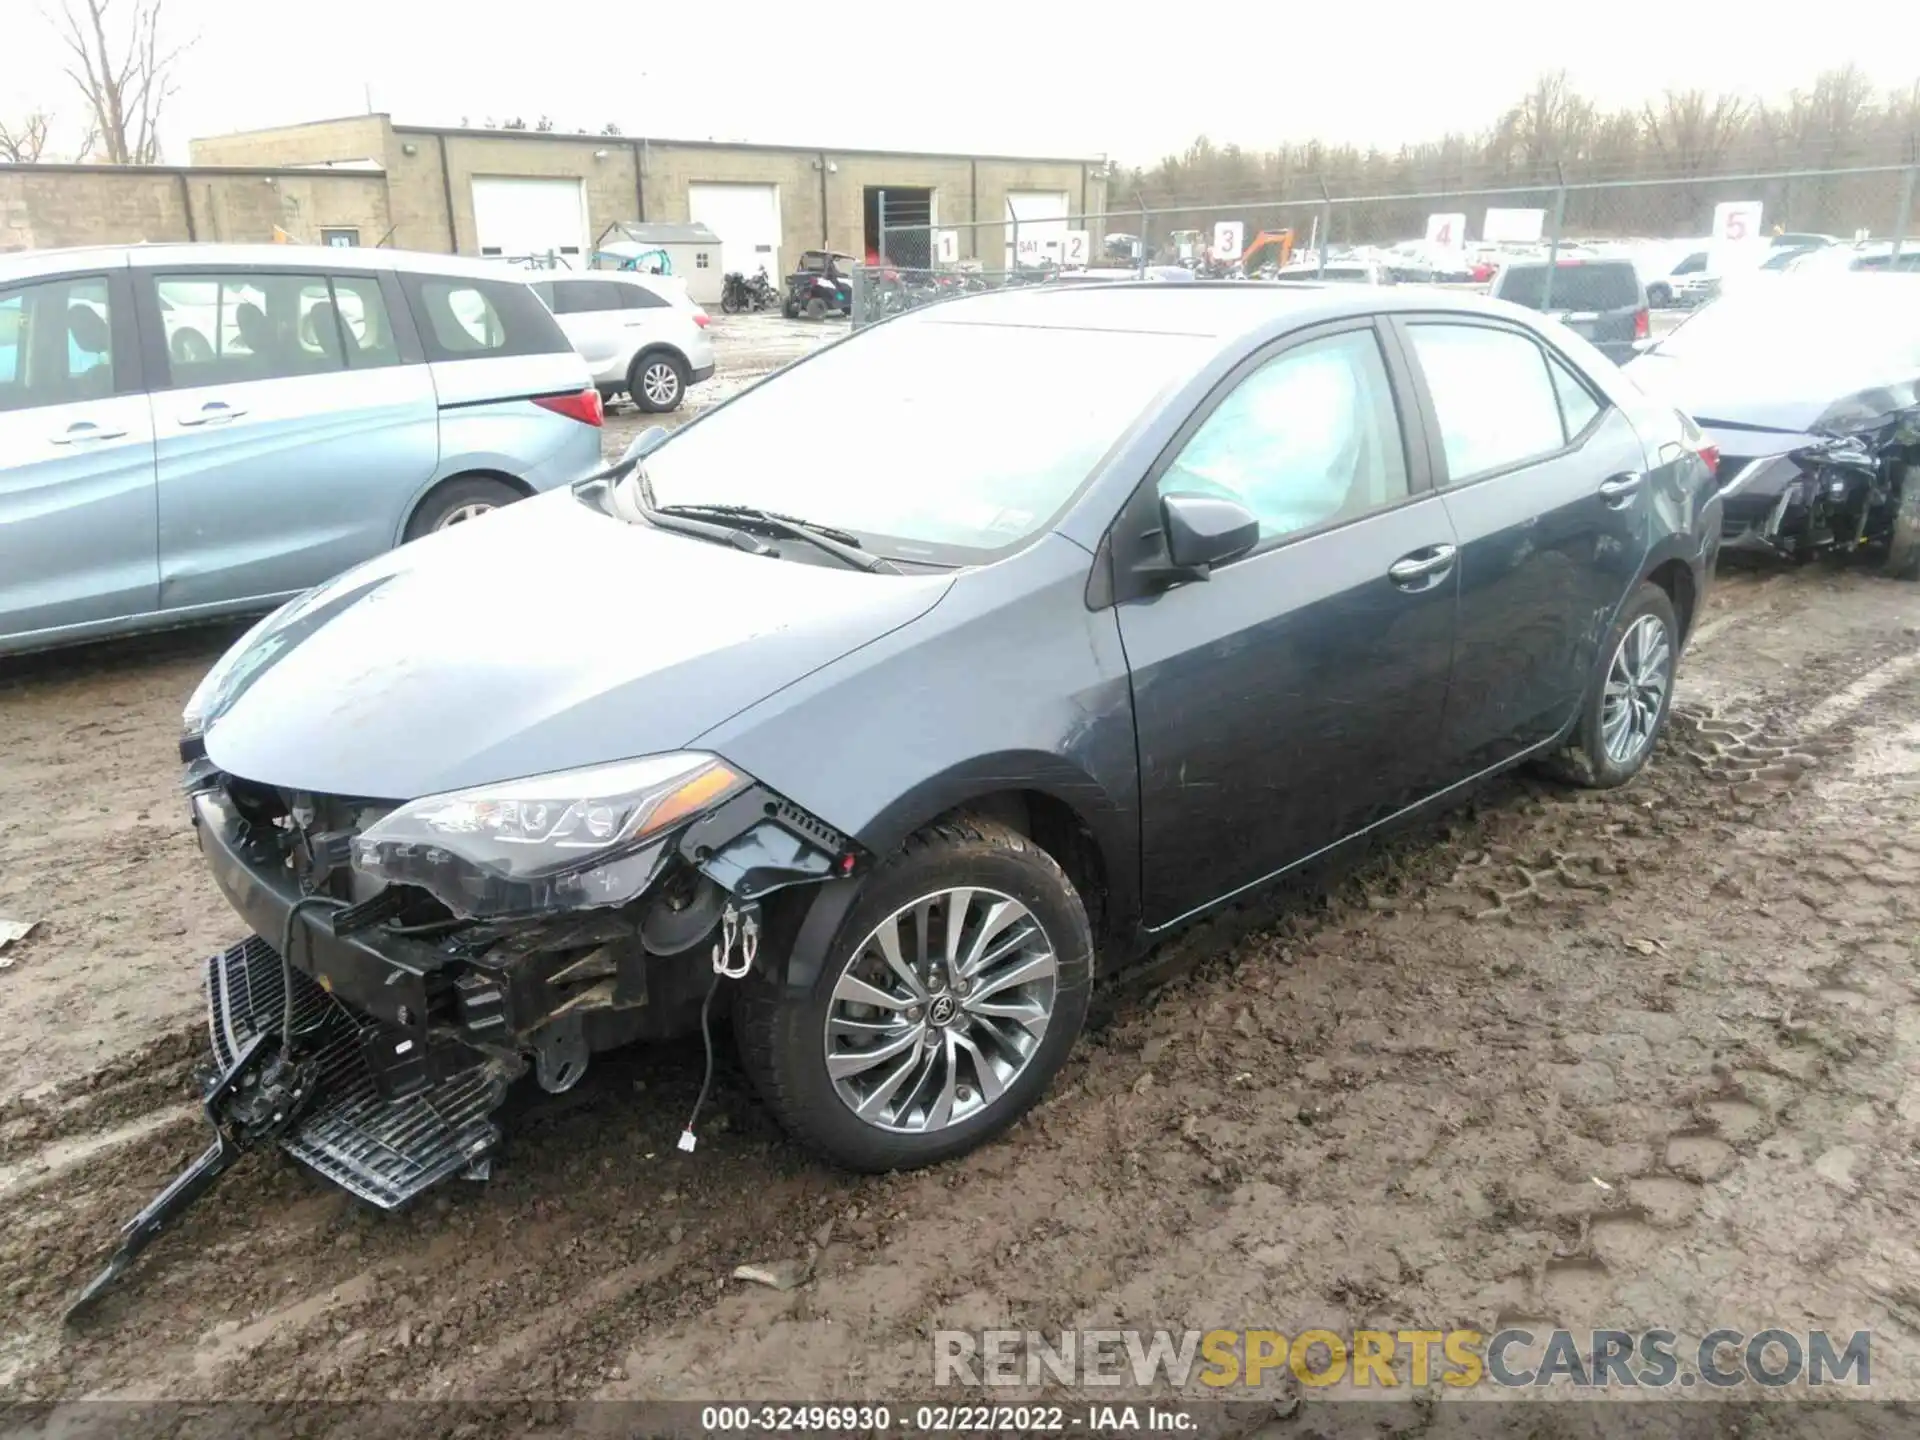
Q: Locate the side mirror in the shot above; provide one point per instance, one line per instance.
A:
(644, 443)
(1206, 530)
(1646, 345)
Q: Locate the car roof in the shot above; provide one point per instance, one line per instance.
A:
(1220, 309)
(28, 263)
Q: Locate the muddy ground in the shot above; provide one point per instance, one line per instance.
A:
(1648, 1058)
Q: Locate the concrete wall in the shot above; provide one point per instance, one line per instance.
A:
(821, 193)
(49, 205)
(356, 137)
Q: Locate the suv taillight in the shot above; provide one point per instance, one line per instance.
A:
(1641, 326)
(582, 405)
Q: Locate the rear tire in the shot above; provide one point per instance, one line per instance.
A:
(1903, 540)
(458, 501)
(791, 309)
(657, 382)
(946, 1102)
(816, 309)
(1623, 718)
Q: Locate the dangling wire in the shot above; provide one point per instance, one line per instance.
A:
(286, 960)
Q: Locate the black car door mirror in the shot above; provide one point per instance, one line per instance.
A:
(1206, 530)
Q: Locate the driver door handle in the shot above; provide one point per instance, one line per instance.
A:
(1616, 490)
(1421, 569)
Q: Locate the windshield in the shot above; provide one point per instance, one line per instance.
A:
(1575, 287)
(927, 440)
(1876, 319)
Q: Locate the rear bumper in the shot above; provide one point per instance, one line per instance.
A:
(701, 372)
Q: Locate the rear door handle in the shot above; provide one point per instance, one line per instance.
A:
(214, 412)
(85, 433)
(1423, 568)
(1616, 490)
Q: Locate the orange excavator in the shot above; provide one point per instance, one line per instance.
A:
(1251, 258)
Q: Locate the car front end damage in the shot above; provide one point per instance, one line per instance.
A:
(408, 962)
(1829, 489)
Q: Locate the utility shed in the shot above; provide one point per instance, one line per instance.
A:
(692, 253)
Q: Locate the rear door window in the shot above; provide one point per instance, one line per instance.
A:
(366, 329)
(1584, 286)
(585, 297)
(1492, 396)
(236, 328)
(55, 343)
(1577, 403)
(468, 319)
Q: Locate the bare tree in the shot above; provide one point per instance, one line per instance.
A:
(23, 142)
(124, 68)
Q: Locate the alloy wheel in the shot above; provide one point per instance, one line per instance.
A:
(460, 514)
(940, 1009)
(660, 382)
(1636, 691)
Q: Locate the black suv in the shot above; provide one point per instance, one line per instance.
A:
(1600, 300)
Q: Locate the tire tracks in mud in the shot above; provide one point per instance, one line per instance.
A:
(1375, 1098)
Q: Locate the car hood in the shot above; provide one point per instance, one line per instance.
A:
(545, 636)
(1762, 406)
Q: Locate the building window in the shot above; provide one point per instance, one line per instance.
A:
(342, 235)
(699, 259)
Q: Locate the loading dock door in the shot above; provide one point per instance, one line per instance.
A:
(517, 216)
(747, 220)
(1042, 217)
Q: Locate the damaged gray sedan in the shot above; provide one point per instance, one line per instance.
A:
(1809, 388)
(873, 747)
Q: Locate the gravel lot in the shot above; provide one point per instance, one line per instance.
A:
(1636, 1059)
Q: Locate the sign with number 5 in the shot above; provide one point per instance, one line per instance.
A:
(1736, 220)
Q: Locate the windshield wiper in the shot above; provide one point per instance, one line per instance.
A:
(639, 498)
(837, 543)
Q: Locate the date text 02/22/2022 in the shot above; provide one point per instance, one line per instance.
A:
(946, 1419)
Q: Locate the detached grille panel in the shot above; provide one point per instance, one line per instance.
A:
(384, 1151)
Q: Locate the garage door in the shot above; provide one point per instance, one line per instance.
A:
(747, 220)
(516, 216)
(1042, 217)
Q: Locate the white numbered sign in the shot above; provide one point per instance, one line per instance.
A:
(1737, 220)
(946, 247)
(1079, 248)
(1447, 232)
(1228, 237)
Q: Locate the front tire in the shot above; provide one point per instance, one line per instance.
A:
(1903, 539)
(891, 1066)
(791, 309)
(1624, 716)
(657, 383)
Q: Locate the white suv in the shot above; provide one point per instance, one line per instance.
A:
(640, 334)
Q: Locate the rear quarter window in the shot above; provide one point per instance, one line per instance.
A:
(470, 319)
(1587, 286)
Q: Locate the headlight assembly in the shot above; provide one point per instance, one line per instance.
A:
(568, 840)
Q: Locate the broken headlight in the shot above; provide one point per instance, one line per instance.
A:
(568, 840)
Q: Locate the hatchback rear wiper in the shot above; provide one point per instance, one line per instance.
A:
(836, 543)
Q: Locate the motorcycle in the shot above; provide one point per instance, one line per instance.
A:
(738, 294)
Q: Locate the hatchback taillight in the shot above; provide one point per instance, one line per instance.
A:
(581, 405)
(702, 319)
(1641, 326)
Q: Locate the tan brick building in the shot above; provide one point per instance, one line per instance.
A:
(364, 180)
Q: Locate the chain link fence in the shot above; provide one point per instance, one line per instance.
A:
(1454, 237)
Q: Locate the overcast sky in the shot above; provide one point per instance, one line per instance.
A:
(1026, 78)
